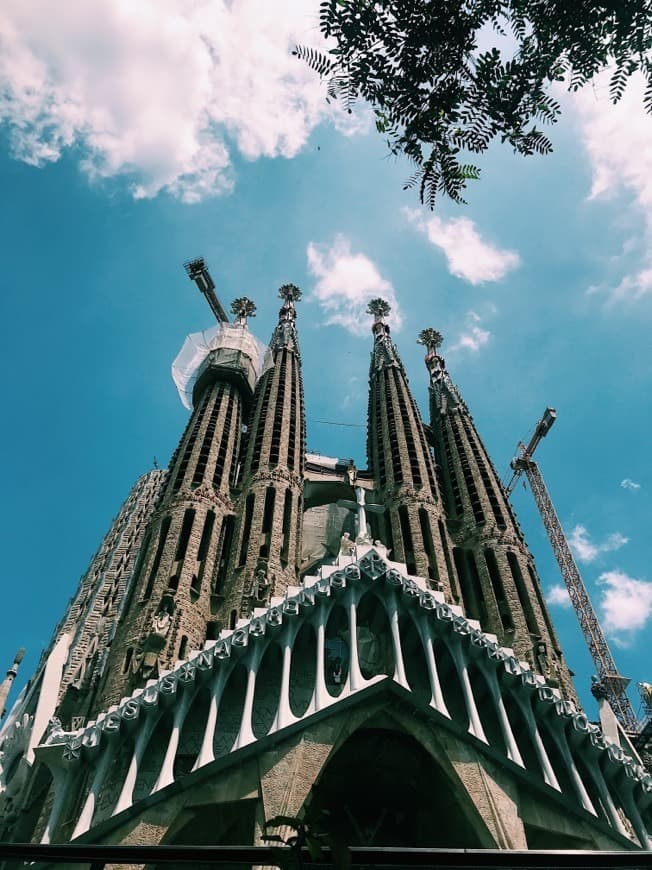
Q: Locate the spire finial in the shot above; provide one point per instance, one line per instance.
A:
(242, 308)
(379, 308)
(285, 333)
(290, 293)
(431, 339)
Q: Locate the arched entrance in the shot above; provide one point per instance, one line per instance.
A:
(382, 788)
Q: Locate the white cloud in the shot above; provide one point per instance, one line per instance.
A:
(469, 257)
(160, 93)
(617, 139)
(473, 336)
(627, 483)
(587, 551)
(558, 595)
(626, 603)
(345, 284)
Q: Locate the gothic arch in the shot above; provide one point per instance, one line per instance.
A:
(382, 787)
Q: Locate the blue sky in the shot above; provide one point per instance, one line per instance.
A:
(133, 140)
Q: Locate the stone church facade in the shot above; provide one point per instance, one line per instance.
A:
(292, 634)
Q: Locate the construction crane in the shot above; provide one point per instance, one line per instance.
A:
(198, 272)
(609, 685)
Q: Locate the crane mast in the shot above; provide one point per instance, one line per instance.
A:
(198, 272)
(611, 685)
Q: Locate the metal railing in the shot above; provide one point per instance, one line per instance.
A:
(98, 856)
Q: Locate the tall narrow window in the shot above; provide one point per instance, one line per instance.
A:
(542, 605)
(467, 572)
(467, 472)
(246, 529)
(162, 538)
(499, 590)
(206, 536)
(287, 522)
(522, 593)
(204, 545)
(478, 593)
(408, 545)
(268, 517)
(190, 443)
(275, 448)
(127, 662)
(183, 646)
(220, 462)
(223, 552)
(207, 442)
(429, 547)
(184, 537)
(455, 589)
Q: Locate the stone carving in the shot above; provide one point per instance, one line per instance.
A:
(347, 546)
(54, 730)
(261, 585)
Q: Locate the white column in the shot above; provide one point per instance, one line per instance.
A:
(284, 714)
(207, 753)
(322, 698)
(246, 734)
(559, 736)
(86, 816)
(513, 752)
(142, 739)
(616, 822)
(62, 777)
(437, 695)
(475, 724)
(355, 678)
(399, 668)
(437, 700)
(539, 747)
(166, 774)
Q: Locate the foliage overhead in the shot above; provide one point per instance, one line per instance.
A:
(438, 94)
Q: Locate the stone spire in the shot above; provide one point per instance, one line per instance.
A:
(172, 608)
(7, 683)
(266, 544)
(402, 464)
(497, 578)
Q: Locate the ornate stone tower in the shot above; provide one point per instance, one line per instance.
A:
(403, 466)
(171, 607)
(497, 577)
(267, 540)
(407, 676)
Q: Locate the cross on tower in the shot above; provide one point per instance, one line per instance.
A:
(360, 507)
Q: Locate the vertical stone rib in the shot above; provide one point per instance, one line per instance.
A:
(400, 459)
(267, 539)
(496, 571)
(174, 590)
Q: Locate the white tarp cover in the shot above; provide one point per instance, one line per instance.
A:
(231, 338)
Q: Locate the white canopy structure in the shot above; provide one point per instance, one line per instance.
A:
(228, 345)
